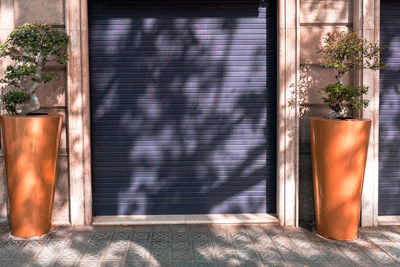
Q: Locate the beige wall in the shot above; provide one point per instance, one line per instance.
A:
(317, 17)
(14, 13)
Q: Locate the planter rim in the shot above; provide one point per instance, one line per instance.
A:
(320, 118)
(43, 116)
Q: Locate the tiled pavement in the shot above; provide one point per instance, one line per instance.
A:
(199, 245)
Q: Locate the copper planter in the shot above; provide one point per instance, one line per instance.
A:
(31, 146)
(339, 151)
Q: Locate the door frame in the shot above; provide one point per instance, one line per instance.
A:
(78, 114)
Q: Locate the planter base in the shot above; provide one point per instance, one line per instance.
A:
(31, 146)
(339, 152)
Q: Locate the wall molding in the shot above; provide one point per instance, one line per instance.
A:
(367, 23)
(79, 113)
(288, 119)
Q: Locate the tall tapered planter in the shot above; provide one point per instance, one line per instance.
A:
(31, 146)
(339, 151)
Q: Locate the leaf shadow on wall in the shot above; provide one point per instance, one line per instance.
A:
(183, 109)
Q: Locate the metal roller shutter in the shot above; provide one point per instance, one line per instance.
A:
(183, 106)
(389, 116)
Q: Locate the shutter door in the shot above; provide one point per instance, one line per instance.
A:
(389, 116)
(183, 112)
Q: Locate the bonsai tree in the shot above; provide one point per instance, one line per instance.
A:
(30, 47)
(344, 52)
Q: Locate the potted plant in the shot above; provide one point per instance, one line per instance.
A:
(30, 139)
(339, 142)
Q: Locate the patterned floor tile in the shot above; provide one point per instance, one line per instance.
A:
(259, 237)
(160, 236)
(222, 245)
(269, 255)
(72, 252)
(251, 263)
(25, 254)
(159, 254)
(337, 259)
(225, 255)
(121, 236)
(92, 255)
(106, 263)
(135, 264)
(359, 258)
(391, 248)
(34, 245)
(137, 255)
(203, 255)
(64, 263)
(100, 244)
(141, 235)
(228, 263)
(314, 257)
(220, 236)
(240, 237)
(180, 244)
(115, 254)
(181, 254)
(88, 264)
(160, 245)
(180, 236)
(48, 253)
(201, 244)
(17, 263)
(182, 264)
(118, 244)
(11, 244)
(138, 244)
(380, 257)
(81, 236)
(101, 235)
(204, 264)
(274, 264)
(158, 264)
(199, 236)
(7, 253)
(200, 247)
(42, 263)
(292, 257)
(4, 236)
(247, 255)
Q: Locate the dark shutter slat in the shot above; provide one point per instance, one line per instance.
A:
(183, 106)
(389, 115)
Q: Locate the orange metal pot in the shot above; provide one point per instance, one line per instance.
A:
(339, 152)
(31, 146)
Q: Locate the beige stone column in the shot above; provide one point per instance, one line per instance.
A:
(6, 26)
(78, 113)
(287, 155)
(366, 23)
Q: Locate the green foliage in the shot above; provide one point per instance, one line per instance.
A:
(344, 52)
(32, 46)
(337, 93)
(12, 98)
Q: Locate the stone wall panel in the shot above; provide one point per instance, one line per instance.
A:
(311, 38)
(39, 11)
(328, 11)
